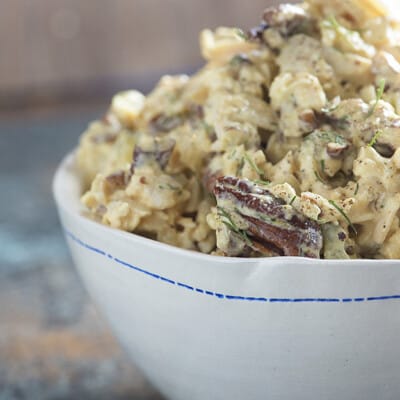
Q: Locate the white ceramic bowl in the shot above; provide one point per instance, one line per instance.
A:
(204, 327)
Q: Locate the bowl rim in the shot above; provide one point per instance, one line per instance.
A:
(66, 168)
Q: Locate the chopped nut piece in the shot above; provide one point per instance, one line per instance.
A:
(117, 180)
(164, 123)
(287, 18)
(336, 150)
(159, 152)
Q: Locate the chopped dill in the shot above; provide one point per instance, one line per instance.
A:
(375, 138)
(341, 211)
(232, 154)
(241, 33)
(356, 190)
(318, 176)
(328, 136)
(340, 140)
(208, 128)
(292, 200)
(262, 182)
(253, 165)
(333, 22)
(379, 93)
(229, 223)
(223, 213)
(238, 60)
(240, 166)
(169, 186)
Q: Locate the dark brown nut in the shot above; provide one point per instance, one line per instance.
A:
(384, 149)
(209, 179)
(107, 137)
(329, 117)
(308, 121)
(159, 151)
(336, 150)
(256, 33)
(286, 18)
(272, 226)
(118, 180)
(164, 123)
(196, 111)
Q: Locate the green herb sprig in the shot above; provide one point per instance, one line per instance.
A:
(379, 93)
(356, 189)
(253, 165)
(262, 182)
(239, 59)
(333, 22)
(375, 138)
(318, 176)
(328, 136)
(228, 222)
(345, 216)
(241, 33)
(169, 187)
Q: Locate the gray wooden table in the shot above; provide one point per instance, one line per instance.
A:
(53, 342)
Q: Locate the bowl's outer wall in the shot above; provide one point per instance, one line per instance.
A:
(267, 342)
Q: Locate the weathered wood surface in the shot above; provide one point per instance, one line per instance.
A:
(53, 342)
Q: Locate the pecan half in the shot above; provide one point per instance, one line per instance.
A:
(266, 223)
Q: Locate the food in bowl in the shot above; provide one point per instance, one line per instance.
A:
(285, 143)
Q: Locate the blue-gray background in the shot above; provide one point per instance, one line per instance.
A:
(53, 343)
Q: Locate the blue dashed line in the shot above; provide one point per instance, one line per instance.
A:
(168, 280)
(229, 297)
(279, 300)
(328, 300)
(233, 297)
(383, 298)
(255, 299)
(305, 300)
(185, 286)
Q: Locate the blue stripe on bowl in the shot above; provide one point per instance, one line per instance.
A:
(218, 295)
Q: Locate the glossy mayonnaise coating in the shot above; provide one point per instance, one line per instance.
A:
(301, 112)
